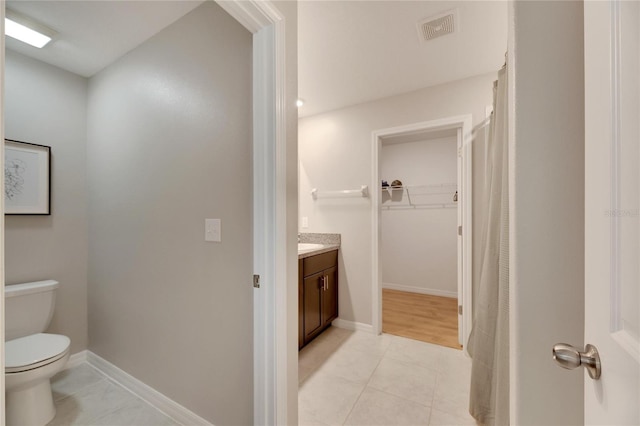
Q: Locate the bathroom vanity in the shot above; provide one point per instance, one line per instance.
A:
(317, 290)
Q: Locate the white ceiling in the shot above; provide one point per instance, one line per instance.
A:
(93, 34)
(351, 52)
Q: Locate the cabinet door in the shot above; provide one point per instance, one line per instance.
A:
(313, 292)
(330, 296)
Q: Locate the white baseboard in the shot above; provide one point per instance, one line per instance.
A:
(76, 359)
(429, 291)
(352, 325)
(171, 408)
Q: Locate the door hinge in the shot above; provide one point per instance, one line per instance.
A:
(460, 230)
(256, 281)
(459, 309)
(459, 152)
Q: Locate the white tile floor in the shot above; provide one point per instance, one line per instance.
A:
(355, 378)
(83, 396)
(346, 378)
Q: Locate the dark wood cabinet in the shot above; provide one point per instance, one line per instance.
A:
(318, 295)
(313, 290)
(330, 296)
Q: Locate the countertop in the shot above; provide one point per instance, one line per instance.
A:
(324, 249)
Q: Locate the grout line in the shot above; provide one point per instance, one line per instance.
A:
(438, 379)
(366, 384)
(311, 348)
(439, 371)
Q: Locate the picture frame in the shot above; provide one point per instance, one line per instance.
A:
(27, 173)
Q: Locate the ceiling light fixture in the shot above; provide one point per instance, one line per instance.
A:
(26, 30)
(299, 103)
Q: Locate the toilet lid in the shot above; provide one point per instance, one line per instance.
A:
(24, 352)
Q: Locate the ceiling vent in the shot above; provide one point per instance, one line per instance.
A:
(437, 26)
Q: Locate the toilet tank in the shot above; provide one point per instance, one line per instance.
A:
(28, 308)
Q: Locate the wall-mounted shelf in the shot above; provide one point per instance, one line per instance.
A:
(420, 196)
(344, 193)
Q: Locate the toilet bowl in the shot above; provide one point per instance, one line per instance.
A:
(31, 357)
(30, 362)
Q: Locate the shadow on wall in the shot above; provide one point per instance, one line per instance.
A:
(344, 296)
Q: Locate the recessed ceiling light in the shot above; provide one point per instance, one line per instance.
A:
(26, 30)
(299, 103)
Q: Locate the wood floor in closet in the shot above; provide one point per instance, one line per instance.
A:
(431, 319)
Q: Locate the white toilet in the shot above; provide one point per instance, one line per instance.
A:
(31, 356)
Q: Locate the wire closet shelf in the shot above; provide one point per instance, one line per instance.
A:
(438, 196)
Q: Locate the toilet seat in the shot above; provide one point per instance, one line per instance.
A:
(30, 352)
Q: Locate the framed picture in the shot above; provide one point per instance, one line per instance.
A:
(27, 178)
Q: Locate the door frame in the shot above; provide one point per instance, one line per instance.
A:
(271, 391)
(2, 283)
(463, 123)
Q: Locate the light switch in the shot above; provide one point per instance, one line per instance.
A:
(305, 222)
(212, 230)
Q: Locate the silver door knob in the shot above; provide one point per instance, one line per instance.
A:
(566, 356)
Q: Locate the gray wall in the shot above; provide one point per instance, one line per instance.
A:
(47, 106)
(547, 209)
(169, 144)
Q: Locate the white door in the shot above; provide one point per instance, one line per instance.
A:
(612, 215)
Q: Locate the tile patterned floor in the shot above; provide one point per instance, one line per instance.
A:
(83, 396)
(355, 378)
(346, 378)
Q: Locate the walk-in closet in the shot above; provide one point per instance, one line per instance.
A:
(419, 236)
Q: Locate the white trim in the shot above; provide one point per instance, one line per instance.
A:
(2, 281)
(271, 391)
(515, 390)
(249, 13)
(421, 290)
(168, 406)
(615, 284)
(263, 225)
(76, 359)
(352, 325)
(459, 239)
(626, 340)
(376, 265)
(463, 122)
(467, 229)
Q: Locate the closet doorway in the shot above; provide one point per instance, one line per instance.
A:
(422, 231)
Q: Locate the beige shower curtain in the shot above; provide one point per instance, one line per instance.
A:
(489, 340)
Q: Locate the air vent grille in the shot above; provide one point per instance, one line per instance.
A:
(434, 27)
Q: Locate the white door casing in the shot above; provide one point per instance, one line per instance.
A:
(270, 359)
(2, 416)
(460, 240)
(612, 194)
(463, 123)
